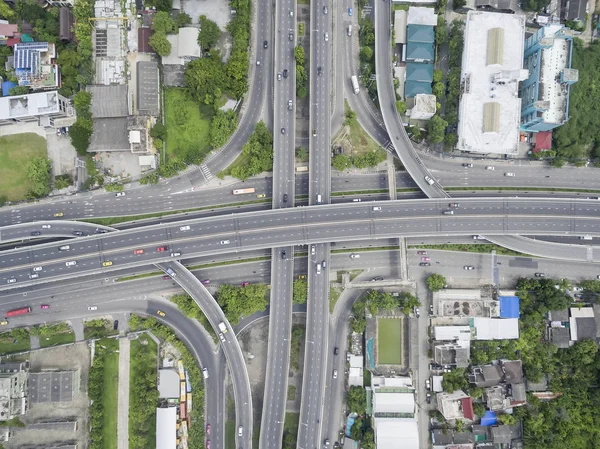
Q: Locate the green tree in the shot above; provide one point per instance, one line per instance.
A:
(163, 23)
(3, 200)
(205, 79)
(401, 107)
(222, 127)
(455, 380)
(356, 430)
(62, 182)
(80, 134)
(38, 173)
(450, 141)
(438, 76)
(159, 131)
(436, 282)
(357, 400)
(6, 12)
(302, 154)
(366, 53)
(350, 117)
(160, 44)
(18, 90)
(441, 32)
(259, 151)
(479, 409)
(438, 89)
(341, 162)
(209, 33)
(300, 291)
(507, 419)
(183, 19)
(460, 424)
(299, 55)
(238, 302)
(436, 129)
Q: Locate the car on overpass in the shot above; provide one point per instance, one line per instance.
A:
(162, 249)
(108, 263)
(138, 251)
(59, 214)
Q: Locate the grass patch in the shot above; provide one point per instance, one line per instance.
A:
(399, 7)
(188, 125)
(98, 329)
(367, 378)
(15, 152)
(57, 339)
(354, 274)
(230, 433)
(358, 192)
(334, 295)
(290, 430)
(195, 267)
(471, 248)
(16, 340)
(389, 338)
(291, 394)
(143, 395)
(109, 392)
(295, 346)
(360, 142)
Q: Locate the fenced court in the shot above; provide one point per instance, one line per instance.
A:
(389, 341)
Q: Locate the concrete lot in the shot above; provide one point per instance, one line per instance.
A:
(70, 357)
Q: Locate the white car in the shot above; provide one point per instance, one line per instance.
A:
(34, 276)
(376, 209)
(37, 268)
(427, 384)
(184, 228)
(326, 37)
(120, 194)
(577, 289)
(510, 175)
(313, 250)
(46, 226)
(354, 256)
(335, 374)
(225, 242)
(222, 337)
(489, 167)
(468, 267)
(92, 307)
(240, 431)
(71, 263)
(11, 280)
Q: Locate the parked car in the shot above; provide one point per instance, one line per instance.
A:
(468, 267)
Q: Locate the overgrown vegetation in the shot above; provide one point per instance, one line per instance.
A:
(24, 167)
(143, 393)
(455, 47)
(98, 328)
(298, 333)
(374, 301)
(301, 75)
(103, 395)
(579, 138)
(238, 302)
(300, 291)
(257, 154)
(436, 282)
(485, 248)
(195, 432)
(15, 340)
(186, 304)
(367, 50)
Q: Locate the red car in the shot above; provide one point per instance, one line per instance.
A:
(245, 283)
(138, 251)
(44, 306)
(166, 277)
(425, 259)
(207, 444)
(208, 429)
(161, 249)
(205, 281)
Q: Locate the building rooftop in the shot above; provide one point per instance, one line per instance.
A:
(400, 26)
(582, 323)
(495, 328)
(110, 134)
(449, 404)
(490, 109)
(418, 15)
(166, 428)
(109, 101)
(451, 333)
(420, 33)
(574, 9)
(168, 384)
(395, 433)
(19, 106)
(147, 88)
(54, 386)
(560, 336)
(419, 51)
(386, 403)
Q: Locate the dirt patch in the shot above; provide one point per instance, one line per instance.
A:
(254, 347)
(70, 357)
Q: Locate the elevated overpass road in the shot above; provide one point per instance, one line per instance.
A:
(231, 348)
(48, 229)
(387, 101)
(298, 226)
(526, 245)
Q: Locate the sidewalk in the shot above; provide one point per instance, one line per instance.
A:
(123, 395)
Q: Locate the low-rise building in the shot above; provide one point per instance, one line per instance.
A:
(455, 405)
(425, 107)
(46, 108)
(34, 65)
(14, 390)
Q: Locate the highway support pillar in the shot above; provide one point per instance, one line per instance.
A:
(402, 259)
(391, 177)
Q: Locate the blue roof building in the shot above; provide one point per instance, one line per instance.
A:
(420, 55)
(418, 79)
(545, 94)
(33, 65)
(509, 307)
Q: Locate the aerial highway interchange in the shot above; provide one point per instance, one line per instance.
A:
(102, 257)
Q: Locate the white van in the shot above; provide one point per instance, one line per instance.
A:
(318, 199)
(205, 372)
(349, 30)
(318, 268)
(64, 248)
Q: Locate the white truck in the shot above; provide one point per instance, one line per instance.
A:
(222, 327)
(355, 84)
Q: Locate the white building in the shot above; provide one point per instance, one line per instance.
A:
(355, 374)
(424, 108)
(492, 67)
(166, 428)
(418, 15)
(44, 107)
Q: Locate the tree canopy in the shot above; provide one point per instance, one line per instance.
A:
(163, 23)
(238, 302)
(300, 291)
(38, 173)
(258, 151)
(209, 33)
(160, 44)
(436, 282)
(436, 129)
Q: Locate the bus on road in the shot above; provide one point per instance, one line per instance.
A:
(242, 191)
(21, 311)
